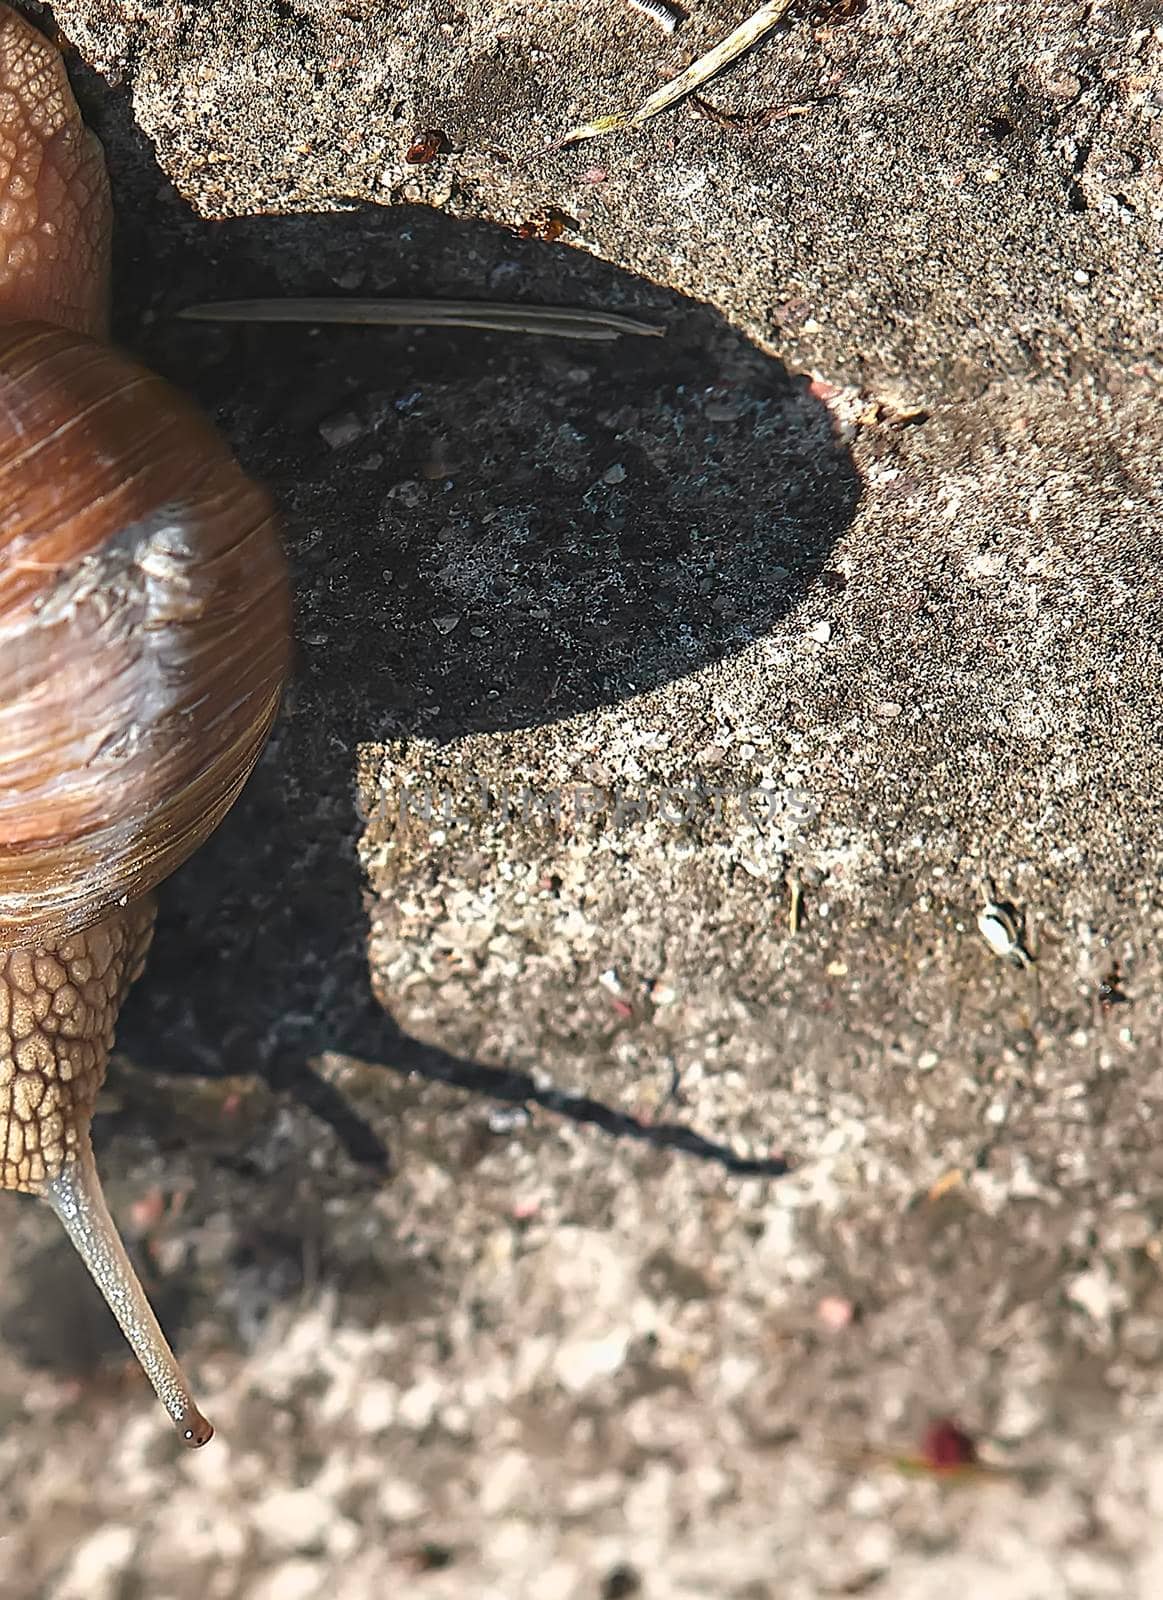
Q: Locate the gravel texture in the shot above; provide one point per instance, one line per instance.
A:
(543, 1208)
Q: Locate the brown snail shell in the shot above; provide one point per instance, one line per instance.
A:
(143, 630)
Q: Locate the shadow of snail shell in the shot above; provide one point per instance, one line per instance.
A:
(144, 643)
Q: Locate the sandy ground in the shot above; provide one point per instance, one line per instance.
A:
(544, 1211)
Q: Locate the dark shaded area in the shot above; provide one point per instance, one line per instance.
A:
(511, 1088)
(492, 531)
(487, 532)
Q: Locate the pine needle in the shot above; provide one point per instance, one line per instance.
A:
(562, 322)
(698, 73)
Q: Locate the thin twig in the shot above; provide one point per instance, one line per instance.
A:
(562, 322)
(698, 73)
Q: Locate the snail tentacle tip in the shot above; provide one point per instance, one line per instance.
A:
(194, 1429)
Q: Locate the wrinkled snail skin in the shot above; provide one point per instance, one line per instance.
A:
(55, 215)
(144, 643)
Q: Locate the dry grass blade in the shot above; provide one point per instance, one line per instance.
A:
(698, 73)
(562, 322)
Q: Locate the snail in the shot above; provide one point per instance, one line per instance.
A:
(144, 643)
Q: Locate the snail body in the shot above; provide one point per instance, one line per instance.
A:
(144, 643)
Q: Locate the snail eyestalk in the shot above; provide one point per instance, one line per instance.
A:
(76, 1196)
(58, 1007)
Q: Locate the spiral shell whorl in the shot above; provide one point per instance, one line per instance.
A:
(144, 625)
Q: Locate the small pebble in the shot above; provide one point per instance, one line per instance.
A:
(945, 1446)
(507, 1119)
(341, 430)
(835, 1313)
(723, 410)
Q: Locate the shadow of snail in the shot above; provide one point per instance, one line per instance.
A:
(591, 587)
